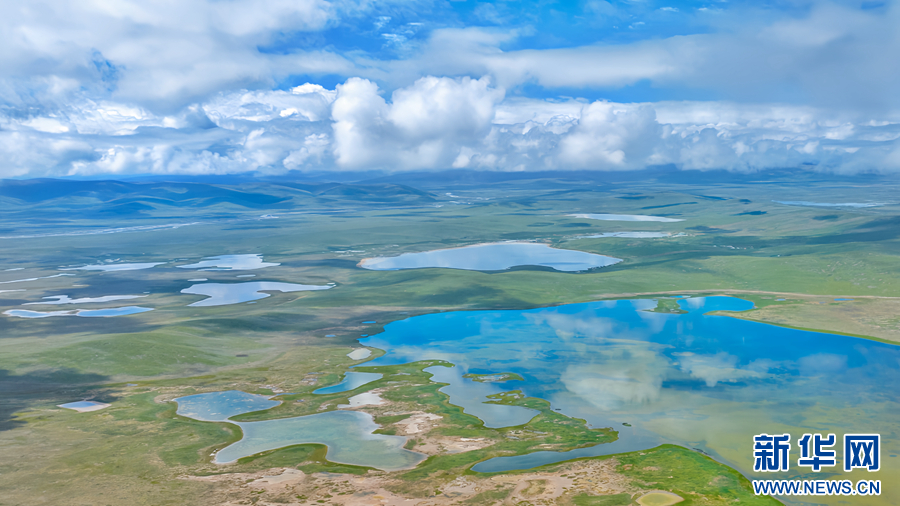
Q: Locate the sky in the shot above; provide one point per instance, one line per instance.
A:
(114, 88)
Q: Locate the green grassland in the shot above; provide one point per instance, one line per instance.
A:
(734, 239)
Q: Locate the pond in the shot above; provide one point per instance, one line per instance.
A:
(114, 267)
(351, 381)
(349, 435)
(625, 217)
(702, 381)
(221, 294)
(84, 313)
(220, 406)
(493, 257)
(64, 299)
(230, 263)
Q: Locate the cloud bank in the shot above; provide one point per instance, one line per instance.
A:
(204, 87)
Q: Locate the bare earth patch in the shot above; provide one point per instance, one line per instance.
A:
(281, 486)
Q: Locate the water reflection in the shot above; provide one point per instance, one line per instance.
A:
(493, 257)
(694, 379)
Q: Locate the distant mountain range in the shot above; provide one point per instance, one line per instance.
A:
(105, 199)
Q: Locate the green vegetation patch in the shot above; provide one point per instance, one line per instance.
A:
(494, 378)
(688, 473)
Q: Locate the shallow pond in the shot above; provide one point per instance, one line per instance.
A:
(230, 263)
(472, 395)
(220, 406)
(114, 267)
(347, 434)
(64, 299)
(221, 294)
(84, 406)
(351, 381)
(360, 353)
(703, 381)
(493, 257)
(625, 217)
(34, 279)
(84, 313)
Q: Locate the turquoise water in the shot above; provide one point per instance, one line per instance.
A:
(348, 434)
(698, 380)
(493, 257)
(473, 394)
(351, 381)
(220, 406)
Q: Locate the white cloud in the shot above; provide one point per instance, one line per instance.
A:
(426, 125)
(164, 53)
(721, 368)
(437, 123)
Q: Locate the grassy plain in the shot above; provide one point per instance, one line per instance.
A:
(734, 239)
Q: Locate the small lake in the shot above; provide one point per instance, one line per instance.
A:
(222, 294)
(230, 263)
(351, 381)
(702, 381)
(347, 434)
(65, 299)
(84, 313)
(493, 257)
(625, 217)
(360, 353)
(34, 279)
(220, 406)
(114, 267)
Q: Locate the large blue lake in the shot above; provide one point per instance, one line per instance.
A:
(702, 381)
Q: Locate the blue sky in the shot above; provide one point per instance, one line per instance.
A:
(123, 87)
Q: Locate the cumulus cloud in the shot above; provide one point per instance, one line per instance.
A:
(437, 123)
(426, 125)
(190, 87)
